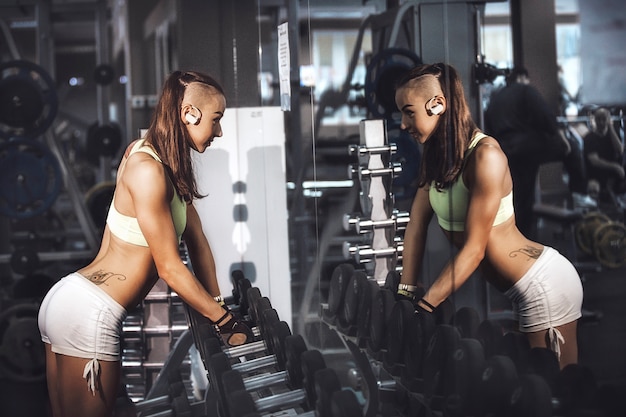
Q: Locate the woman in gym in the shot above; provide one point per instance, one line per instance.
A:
(81, 317)
(465, 181)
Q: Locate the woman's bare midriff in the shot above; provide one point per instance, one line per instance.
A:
(508, 256)
(126, 272)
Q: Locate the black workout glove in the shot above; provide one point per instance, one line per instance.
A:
(414, 294)
(423, 306)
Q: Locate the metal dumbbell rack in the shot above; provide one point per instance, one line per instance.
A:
(149, 335)
(378, 221)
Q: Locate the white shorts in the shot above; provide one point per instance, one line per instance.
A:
(550, 294)
(79, 319)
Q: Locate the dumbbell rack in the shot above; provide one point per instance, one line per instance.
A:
(378, 221)
(149, 335)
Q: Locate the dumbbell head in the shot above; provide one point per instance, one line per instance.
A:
(326, 383)
(240, 402)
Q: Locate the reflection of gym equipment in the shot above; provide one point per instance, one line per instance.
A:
(34, 171)
(383, 71)
(28, 100)
(22, 354)
(375, 172)
(605, 239)
(30, 178)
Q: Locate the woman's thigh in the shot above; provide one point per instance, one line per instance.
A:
(75, 397)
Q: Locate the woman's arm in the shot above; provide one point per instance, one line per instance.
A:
(200, 252)
(415, 237)
(486, 174)
(146, 181)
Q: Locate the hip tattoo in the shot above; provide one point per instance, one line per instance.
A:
(529, 251)
(101, 277)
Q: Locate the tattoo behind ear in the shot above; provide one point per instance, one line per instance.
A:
(529, 251)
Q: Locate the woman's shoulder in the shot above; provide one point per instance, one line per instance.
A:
(488, 155)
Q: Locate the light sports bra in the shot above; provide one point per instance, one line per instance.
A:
(127, 228)
(450, 205)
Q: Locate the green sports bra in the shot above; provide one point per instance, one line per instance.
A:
(450, 205)
(127, 228)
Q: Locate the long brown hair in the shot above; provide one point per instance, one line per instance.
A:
(168, 135)
(442, 157)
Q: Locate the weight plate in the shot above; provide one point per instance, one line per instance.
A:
(401, 313)
(103, 140)
(461, 378)
(382, 72)
(467, 320)
(585, 229)
(28, 100)
(543, 361)
(420, 330)
(311, 362)
(268, 318)
(380, 312)
(497, 385)
(252, 296)
(24, 261)
(22, 353)
(532, 397)
(490, 334)
(609, 244)
(288, 354)
(103, 74)
(98, 200)
(365, 308)
(235, 277)
(326, 383)
(443, 342)
(577, 388)
(275, 339)
(344, 403)
(354, 294)
(30, 178)
(338, 284)
(294, 348)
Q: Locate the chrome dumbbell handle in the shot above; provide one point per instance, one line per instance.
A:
(362, 150)
(365, 253)
(394, 170)
(399, 220)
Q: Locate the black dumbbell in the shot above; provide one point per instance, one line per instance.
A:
(460, 379)
(352, 303)
(277, 350)
(443, 342)
(490, 334)
(467, 320)
(344, 403)
(226, 378)
(496, 389)
(336, 292)
(379, 317)
(175, 401)
(418, 330)
(242, 403)
(368, 296)
(575, 393)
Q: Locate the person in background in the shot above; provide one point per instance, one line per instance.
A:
(152, 210)
(604, 156)
(521, 120)
(466, 182)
